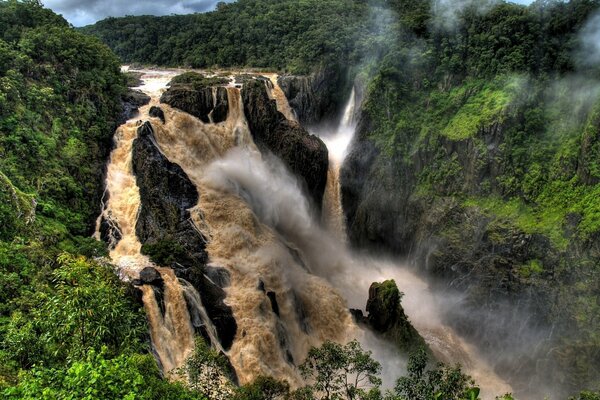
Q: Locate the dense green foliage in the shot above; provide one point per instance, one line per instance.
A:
(442, 382)
(98, 377)
(68, 327)
(341, 372)
(489, 133)
(293, 35)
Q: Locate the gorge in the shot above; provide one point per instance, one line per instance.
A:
(263, 239)
(301, 200)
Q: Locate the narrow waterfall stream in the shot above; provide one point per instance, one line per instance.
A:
(171, 330)
(421, 305)
(261, 229)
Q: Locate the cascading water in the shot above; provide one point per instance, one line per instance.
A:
(262, 230)
(171, 330)
(421, 305)
(337, 142)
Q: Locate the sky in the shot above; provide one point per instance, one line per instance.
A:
(85, 12)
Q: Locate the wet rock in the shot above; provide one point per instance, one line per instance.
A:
(150, 276)
(219, 276)
(213, 299)
(274, 305)
(200, 102)
(261, 286)
(157, 112)
(109, 232)
(387, 317)
(304, 154)
(317, 96)
(164, 226)
(359, 317)
(132, 100)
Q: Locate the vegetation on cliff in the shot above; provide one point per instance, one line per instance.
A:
(68, 327)
(474, 157)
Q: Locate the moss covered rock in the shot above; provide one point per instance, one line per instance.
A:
(387, 317)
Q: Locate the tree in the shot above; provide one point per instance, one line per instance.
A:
(442, 382)
(341, 372)
(206, 371)
(263, 388)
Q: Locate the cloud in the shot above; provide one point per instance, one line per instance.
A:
(80, 13)
(589, 54)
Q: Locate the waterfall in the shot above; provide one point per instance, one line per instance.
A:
(170, 329)
(200, 316)
(291, 281)
(172, 332)
(338, 142)
(254, 253)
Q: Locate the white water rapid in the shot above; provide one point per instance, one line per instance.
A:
(261, 228)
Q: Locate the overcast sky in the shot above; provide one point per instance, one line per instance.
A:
(85, 12)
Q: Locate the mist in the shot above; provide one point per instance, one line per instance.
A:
(589, 38)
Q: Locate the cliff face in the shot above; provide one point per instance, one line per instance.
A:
(206, 103)
(315, 97)
(305, 154)
(479, 213)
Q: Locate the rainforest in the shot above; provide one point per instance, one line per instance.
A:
(301, 199)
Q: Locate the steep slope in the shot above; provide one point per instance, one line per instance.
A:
(476, 173)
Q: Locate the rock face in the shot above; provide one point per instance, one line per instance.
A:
(387, 317)
(150, 276)
(167, 194)
(157, 112)
(209, 104)
(509, 279)
(132, 100)
(315, 97)
(166, 231)
(304, 154)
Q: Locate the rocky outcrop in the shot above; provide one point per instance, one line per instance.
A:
(209, 104)
(132, 100)
(167, 194)
(387, 317)
(304, 154)
(167, 233)
(150, 276)
(157, 112)
(315, 97)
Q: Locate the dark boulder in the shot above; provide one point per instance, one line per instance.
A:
(387, 317)
(304, 154)
(157, 112)
(150, 276)
(132, 100)
(274, 305)
(201, 102)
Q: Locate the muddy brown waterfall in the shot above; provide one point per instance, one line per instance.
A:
(262, 230)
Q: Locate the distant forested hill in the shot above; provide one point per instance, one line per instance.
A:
(292, 35)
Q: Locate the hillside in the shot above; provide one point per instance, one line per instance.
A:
(475, 160)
